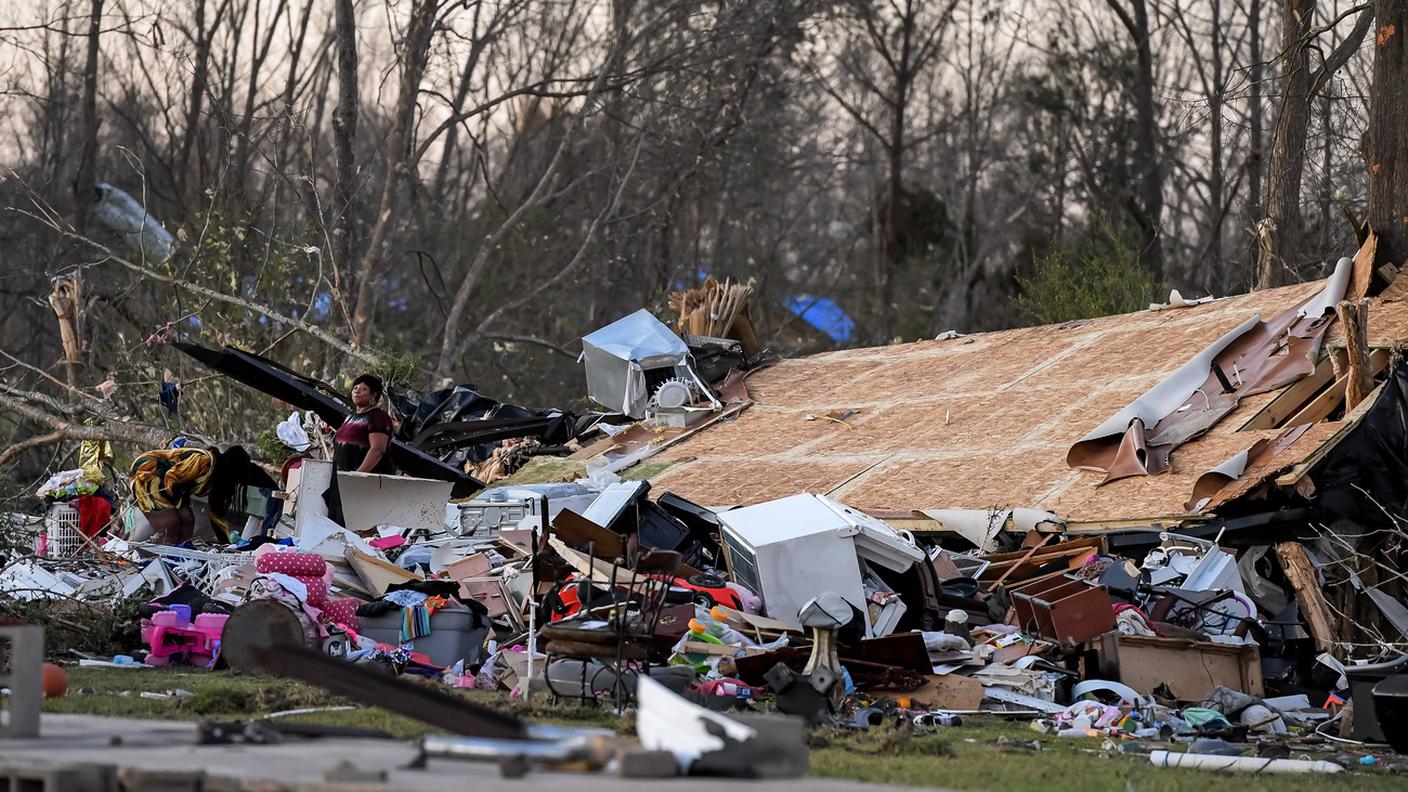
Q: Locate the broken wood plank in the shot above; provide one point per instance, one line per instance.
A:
(1003, 577)
(1362, 275)
(1295, 562)
(1321, 406)
(1354, 320)
(1293, 398)
(1348, 423)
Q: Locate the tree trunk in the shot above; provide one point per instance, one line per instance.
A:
(344, 133)
(200, 77)
(1325, 235)
(1149, 199)
(1146, 148)
(85, 182)
(1387, 143)
(1255, 134)
(1280, 230)
(890, 253)
(398, 165)
(1217, 179)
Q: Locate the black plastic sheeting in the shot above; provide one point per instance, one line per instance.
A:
(460, 424)
(1365, 477)
(327, 403)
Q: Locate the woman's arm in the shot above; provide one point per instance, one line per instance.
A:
(378, 443)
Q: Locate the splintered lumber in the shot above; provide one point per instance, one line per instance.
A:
(715, 309)
(1354, 318)
(1295, 562)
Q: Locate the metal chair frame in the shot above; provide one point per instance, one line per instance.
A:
(649, 581)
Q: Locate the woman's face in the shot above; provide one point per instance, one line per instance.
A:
(362, 396)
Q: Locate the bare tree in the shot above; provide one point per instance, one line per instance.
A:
(893, 44)
(344, 135)
(1148, 163)
(415, 52)
(85, 182)
(1278, 233)
(1387, 138)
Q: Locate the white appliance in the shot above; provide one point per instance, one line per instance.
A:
(507, 508)
(628, 358)
(793, 549)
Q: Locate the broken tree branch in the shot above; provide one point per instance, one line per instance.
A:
(534, 340)
(106, 428)
(1301, 574)
(146, 272)
(22, 446)
(1354, 318)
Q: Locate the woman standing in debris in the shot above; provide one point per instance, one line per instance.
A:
(165, 480)
(361, 442)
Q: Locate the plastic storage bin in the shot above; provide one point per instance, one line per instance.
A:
(455, 634)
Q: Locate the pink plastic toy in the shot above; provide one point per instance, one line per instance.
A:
(171, 637)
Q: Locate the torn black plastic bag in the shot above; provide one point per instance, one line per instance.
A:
(1365, 477)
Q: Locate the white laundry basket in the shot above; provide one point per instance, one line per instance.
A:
(61, 528)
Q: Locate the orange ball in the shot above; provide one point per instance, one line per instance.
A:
(55, 681)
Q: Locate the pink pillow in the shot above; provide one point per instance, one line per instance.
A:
(343, 610)
(317, 590)
(295, 564)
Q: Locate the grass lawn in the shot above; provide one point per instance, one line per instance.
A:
(967, 757)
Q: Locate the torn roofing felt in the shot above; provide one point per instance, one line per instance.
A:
(1212, 482)
(1255, 357)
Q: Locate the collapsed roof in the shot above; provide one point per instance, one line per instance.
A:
(986, 421)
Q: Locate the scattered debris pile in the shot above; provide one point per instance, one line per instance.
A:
(1263, 607)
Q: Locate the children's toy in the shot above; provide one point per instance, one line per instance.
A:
(171, 637)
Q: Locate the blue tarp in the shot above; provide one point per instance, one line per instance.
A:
(824, 315)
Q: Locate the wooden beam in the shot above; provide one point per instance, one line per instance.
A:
(1293, 398)
(1349, 423)
(1321, 406)
(1295, 562)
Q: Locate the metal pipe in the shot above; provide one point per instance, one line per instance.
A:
(545, 744)
(486, 749)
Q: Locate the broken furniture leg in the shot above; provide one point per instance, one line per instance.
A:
(817, 692)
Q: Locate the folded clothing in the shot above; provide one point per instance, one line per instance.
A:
(292, 563)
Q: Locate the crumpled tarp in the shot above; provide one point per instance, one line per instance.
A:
(460, 424)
